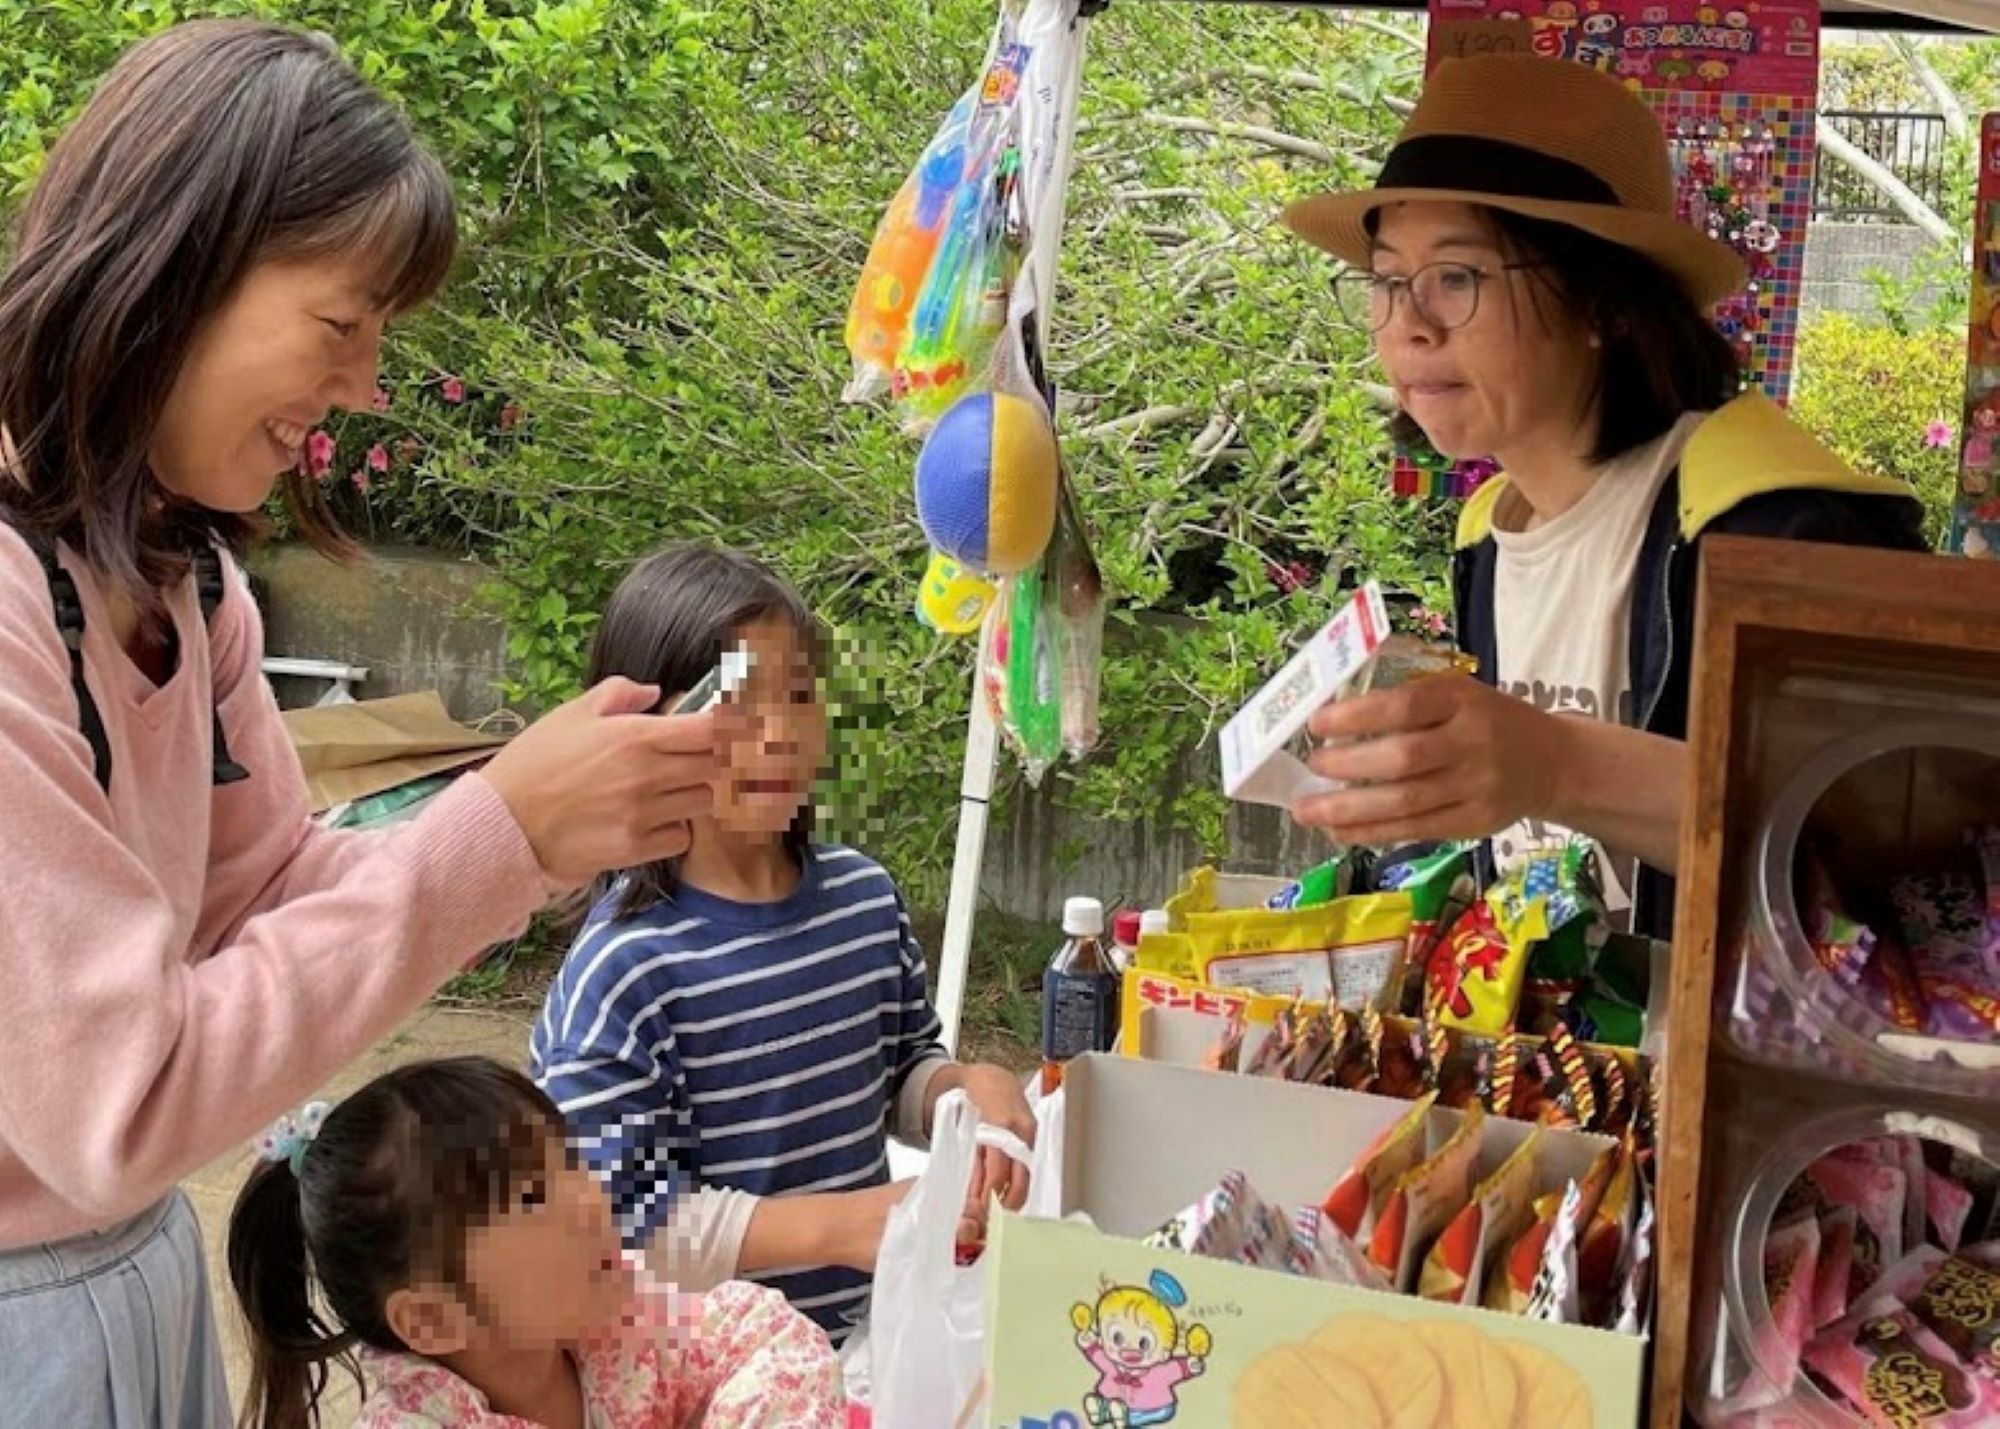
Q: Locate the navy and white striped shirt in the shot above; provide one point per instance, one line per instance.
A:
(758, 1047)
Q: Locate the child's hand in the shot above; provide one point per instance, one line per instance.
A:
(997, 1095)
(854, 1236)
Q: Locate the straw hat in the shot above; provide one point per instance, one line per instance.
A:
(1548, 139)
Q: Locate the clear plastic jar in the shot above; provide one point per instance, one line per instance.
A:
(1741, 1376)
(1776, 1004)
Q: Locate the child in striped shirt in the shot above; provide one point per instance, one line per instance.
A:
(734, 1035)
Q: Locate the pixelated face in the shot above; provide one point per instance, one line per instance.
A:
(1134, 1341)
(769, 768)
(548, 1268)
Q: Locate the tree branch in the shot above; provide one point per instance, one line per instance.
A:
(1254, 133)
(1955, 122)
(1885, 182)
(1401, 36)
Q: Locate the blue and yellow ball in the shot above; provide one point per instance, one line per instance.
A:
(986, 483)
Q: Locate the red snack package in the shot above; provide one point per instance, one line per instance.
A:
(1422, 1203)
(1956, 1299)
(1898, 1374)
(1946, 1206)
(1791, 1268)
(1877, 1194)
(1836, 1265)
(1455, 1267)
(1510, 1284)
(1355, 1202)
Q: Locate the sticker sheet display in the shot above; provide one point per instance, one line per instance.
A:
(1976, 519)
(1736, 88)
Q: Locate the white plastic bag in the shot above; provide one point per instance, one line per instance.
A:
(927, 1315)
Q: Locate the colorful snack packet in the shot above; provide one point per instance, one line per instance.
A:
(1906, 1154)
(1577, 1098)
(1321, 1252)
(1841, 945)
(1319, 884)
(1500, 1074)
(1602, 1237)
(1958, 1011)
(1552, 1295)
(1635, 1275)
(1356, 1200)
(1945, 919)
(1896, 1373)
(1269, 1058)
(1947, 1205)
(1423, 1201)
(1956, 1298)
(1891, 987)
(1310, 1050)
(1836, 1265)
(1791, 1270)
(1476, 974)
(1399, 1063)
(1352, 1063)
(1510, 1284)
(1451, 1069)
(1348, 951)
(1454, 1268)
(1877, 1194)
(1231, 1222)
(1223, 1055)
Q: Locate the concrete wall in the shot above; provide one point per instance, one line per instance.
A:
(413, 618)
(1839, 257)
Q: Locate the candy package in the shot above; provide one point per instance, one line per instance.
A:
(1454, 1269)
(1269, 1058)
(1510, 1285)
(1224, 1052)
(1231, 1222)
(1791, 1268)
(1958, 1300)
(1423, 1201)
(1321, 1252)
(1319, 1040)
(1896, 1373)
(1947, 1205)
(1836, 1265)
(1635, 1275)
(1475, 974)
(1357, 1199)
(1877, 1193)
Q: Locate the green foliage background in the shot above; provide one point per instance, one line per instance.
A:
(665, 208)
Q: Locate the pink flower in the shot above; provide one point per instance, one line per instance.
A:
(319, 454)
(362, 481)
(378, 458)
(380, 402)
(453, 390)
(1288, 578)
(1938, 434)
(1429, 621)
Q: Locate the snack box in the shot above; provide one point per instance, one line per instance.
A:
(1257, 765)
(1142, 1141)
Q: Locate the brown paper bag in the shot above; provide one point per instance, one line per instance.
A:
(351, 751)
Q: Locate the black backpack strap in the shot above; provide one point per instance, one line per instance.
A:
(209, 589)
(69, 622)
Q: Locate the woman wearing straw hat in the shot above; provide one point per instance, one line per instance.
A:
(1535, 300)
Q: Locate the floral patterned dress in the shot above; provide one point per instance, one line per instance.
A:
(737, 1357)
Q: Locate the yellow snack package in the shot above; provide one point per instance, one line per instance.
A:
(1349, 951)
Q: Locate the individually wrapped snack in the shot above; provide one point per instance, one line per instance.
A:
(1400, 1063)
(1439, 882)
(1617, 1096)
(1791, 1269)
(1403, 658)
(1946, 920)
(1546, 894)
(1311, 1049)
(1319, 884)
(1450, 1069)
(1352, 1065)
(1231, 1222)
(1552, 1294)
(1423, 1201)
(1891, 987)
(1577, 1103)
(1957, 1299)
(1947, 1204)
(1896, 1373)
(1877, 1194)
(1601, 1244)
(1356, 1201)
(1635, 1274)
(1320, 1251)
(1476, 974)
(1511, 1283)
(1836, 1265)
(1959, 1011)
(1501, 1074)
(1223, 1053)
(1454, 1268)
(1841, 945)
(1269, 1058)
(1906, 1154)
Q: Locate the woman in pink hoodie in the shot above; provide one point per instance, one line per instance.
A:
(201, 275)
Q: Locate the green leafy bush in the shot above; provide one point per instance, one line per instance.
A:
(1887, 401)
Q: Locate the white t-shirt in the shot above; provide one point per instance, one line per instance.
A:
(1562, 609)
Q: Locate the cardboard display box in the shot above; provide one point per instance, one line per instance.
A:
(1144, 1140)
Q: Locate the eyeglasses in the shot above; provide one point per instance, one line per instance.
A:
(1444, 295)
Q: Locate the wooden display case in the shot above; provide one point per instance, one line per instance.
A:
(1797, 646)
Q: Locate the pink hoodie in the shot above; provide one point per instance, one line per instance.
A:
(181, 962)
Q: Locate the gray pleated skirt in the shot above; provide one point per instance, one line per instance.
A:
(115, 1328)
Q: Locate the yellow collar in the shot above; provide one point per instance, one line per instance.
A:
(1749, 448)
